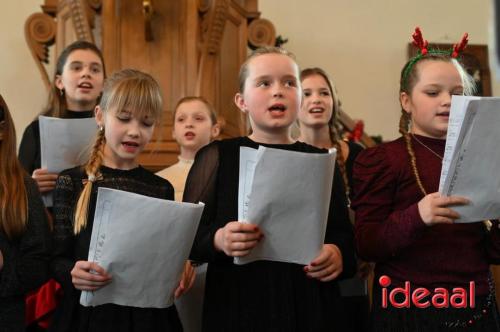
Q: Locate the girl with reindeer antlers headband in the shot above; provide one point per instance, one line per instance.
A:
(430, 274)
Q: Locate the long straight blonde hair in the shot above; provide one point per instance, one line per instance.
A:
(13, 194)
(126, 90)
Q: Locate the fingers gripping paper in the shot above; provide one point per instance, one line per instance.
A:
(143, 242)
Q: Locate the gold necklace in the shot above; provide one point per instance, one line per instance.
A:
(425, 146)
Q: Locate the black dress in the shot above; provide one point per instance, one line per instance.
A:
(69, 248)
(263, 295)
(26, 261)
(29, 149)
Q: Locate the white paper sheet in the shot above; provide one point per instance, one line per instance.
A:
(458, 108)
(473, 168)
(64, 143)
(289, 199)
(143, 242)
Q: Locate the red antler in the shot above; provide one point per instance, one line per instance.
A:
(459, 47)
(419, 41)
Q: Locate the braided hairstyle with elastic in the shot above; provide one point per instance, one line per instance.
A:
(126, 90)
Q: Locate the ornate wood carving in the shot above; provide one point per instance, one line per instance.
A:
(40, 32)
(211, 37)
(261, 32)
(148, 11)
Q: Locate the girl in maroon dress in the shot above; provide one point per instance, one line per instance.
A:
(406, 227)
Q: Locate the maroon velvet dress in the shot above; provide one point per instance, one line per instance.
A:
(390, 232)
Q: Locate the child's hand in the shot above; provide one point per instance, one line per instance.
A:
(237, 238)
(327, 265)
(187, 280)
(46, 181)
(433, 208)
(84, 279)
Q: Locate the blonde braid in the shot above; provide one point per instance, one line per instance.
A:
(403, 129)
(92, 171)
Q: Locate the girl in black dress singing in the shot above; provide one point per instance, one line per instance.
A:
(264, 295)
(75, 90)
(129, 109)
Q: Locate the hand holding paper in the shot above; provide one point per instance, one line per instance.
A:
(89, 276)
(435, 209)
(237, 239)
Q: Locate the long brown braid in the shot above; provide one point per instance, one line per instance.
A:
(333, 131)
(92, 171)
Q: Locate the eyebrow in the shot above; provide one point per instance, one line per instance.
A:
(81, 62)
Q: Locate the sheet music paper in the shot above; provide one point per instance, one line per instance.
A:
(64, 143)
(457, 114)
(143, 242)
(289, 199)
(473, 169)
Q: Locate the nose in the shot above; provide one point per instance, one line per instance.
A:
(86, 72)
(133, 129)
(446, 100)
(277, 91)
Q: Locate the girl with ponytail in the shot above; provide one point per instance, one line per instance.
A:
(24, 231)
(130, 107)
(406, 227)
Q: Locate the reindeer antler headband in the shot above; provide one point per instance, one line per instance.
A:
(422, 44)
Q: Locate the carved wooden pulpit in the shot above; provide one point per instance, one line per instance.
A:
(192, 47)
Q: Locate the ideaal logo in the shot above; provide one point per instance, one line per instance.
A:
(422, 297)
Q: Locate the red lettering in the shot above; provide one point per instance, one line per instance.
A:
(459, 298)
(441, 298)
(420, 294)
(405, 291)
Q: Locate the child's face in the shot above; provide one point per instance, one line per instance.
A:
(430, 99)
(82, 79)
(126, 136)
(193, 127)
(272, 94)
(317, 106)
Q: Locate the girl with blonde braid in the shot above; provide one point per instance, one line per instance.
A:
(406, 227)
(129, 109)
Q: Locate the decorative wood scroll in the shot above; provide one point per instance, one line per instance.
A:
(40, 32)
(261, 32)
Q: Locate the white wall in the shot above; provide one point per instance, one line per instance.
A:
(20, 82)
(362, 44)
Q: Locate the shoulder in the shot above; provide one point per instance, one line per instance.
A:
(154, 179)
(354, 148)
(382, 157)
(304, 147)
(69, 176)
(33, 129)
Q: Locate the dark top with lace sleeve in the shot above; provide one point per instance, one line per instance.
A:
(69, 248)
(26, 262)
(29, 149)
(262, 295)
(390, 231)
